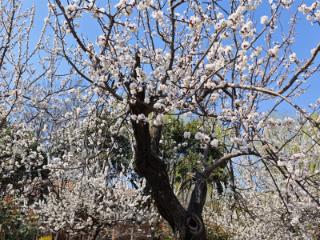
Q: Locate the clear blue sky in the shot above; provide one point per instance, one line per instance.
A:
(307, 37)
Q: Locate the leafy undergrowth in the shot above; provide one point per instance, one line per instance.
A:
(13, 223)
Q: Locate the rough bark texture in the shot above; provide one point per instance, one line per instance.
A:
(187, 224)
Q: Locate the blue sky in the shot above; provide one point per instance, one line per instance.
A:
(307, 37)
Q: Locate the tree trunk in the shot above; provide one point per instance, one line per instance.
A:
(186, 224)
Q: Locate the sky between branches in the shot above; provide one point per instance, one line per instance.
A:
(307, 37)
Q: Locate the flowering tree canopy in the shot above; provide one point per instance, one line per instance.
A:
(115, 75)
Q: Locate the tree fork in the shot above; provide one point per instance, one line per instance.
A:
(187, 224)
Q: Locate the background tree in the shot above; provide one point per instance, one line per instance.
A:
(182, 159)
(21, 155)
(92, 186)
(217, 62)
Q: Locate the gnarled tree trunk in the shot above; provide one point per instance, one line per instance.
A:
(186, 223)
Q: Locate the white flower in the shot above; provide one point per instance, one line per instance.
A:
(273, 52)
(281, 163)
(133, 88)
(11, 161)
(158, 15)
(132, 27)
(206, 138)
(317, 15)
(158, 121)
(158, 105)
(98, 12)
(314, 5)
(286, 3)
(297, 156)
(141, 117)
(101, 40)
(247, 29)
(198, 136)
(245, 45)
(163, 87)
(304, 9)
(187, 135)
(214, 143)
(71, 8)
(194, 22)
(202, 137)
(220, 15)
(293, 57)
(295, 220)
(133, 85)
(210, 67)
(52, 7)
(264, 20)
(144, 4)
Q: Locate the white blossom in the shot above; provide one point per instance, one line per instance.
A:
(273, 52)
(264, 20)
(187, 135)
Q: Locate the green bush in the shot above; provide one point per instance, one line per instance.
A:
(14, 225)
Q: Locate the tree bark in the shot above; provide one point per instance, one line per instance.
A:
(186, 224)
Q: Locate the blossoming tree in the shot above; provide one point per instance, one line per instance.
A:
(126, 65)
(21, 154)
(217, 62)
